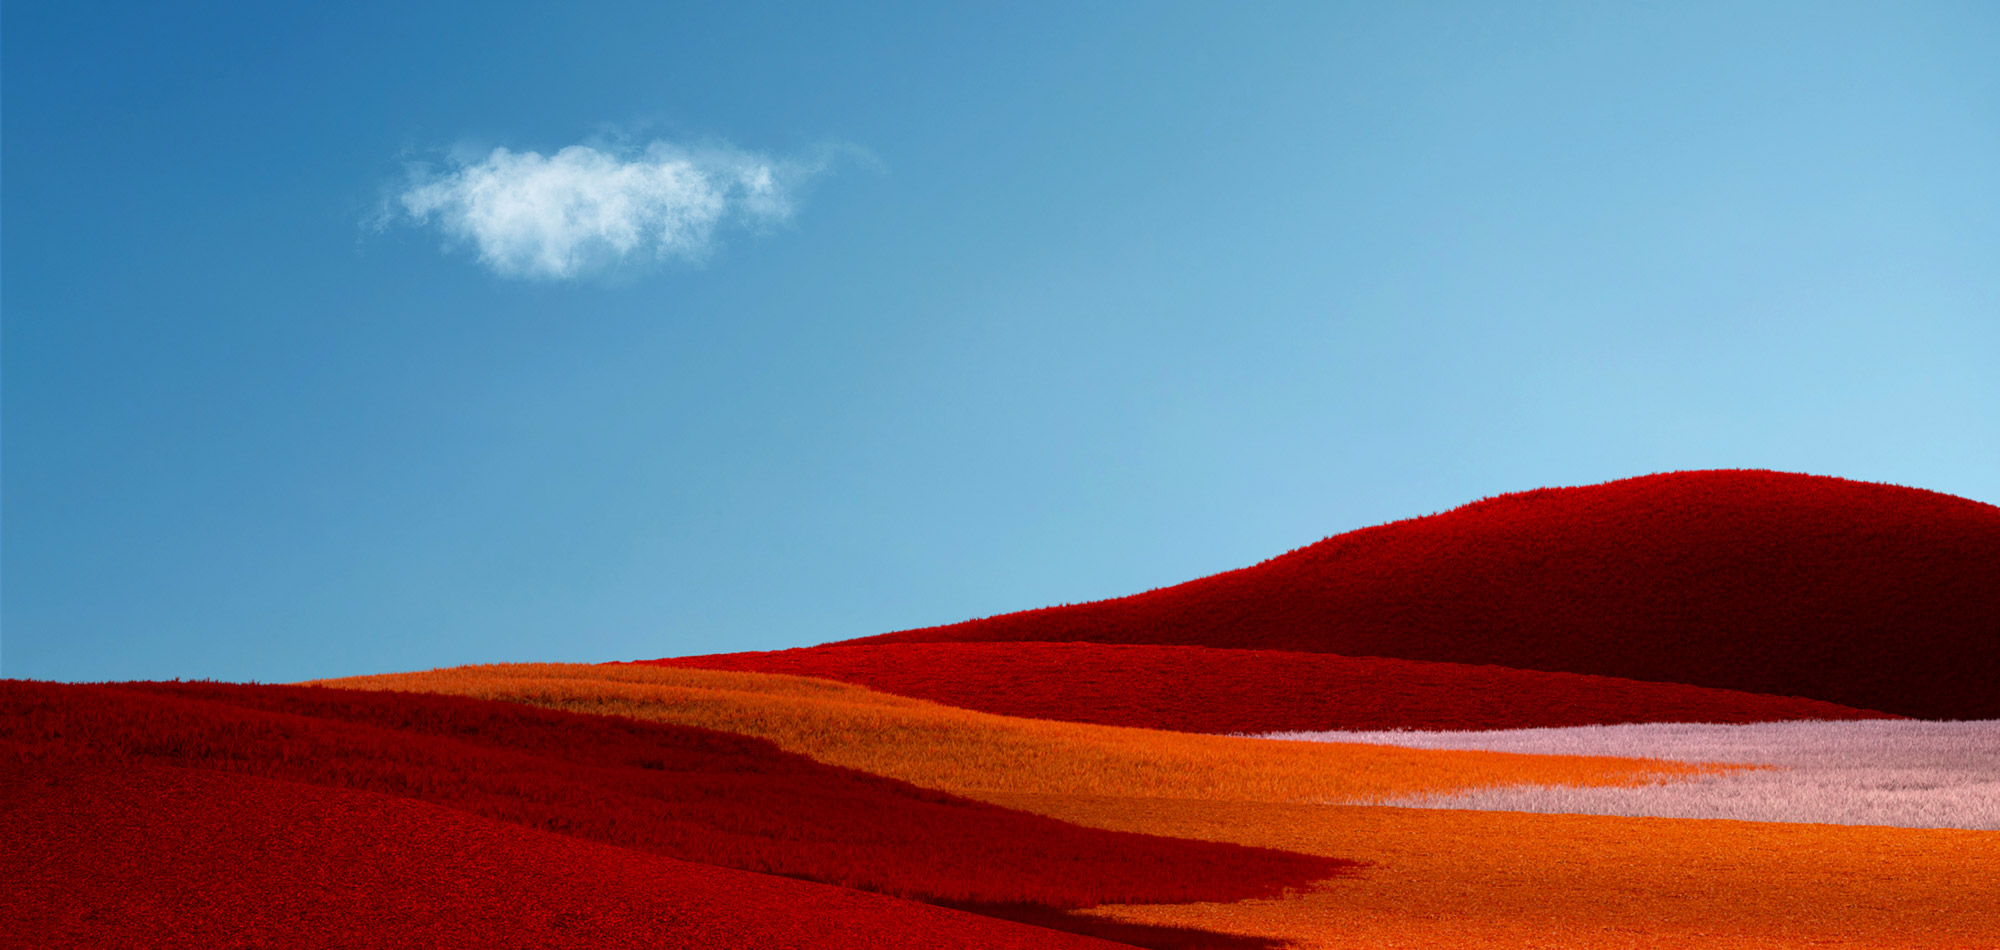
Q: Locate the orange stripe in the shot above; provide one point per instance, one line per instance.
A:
(973, 753)
(1437, 879)
(1459, 879)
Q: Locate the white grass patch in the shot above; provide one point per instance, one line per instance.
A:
(1903, 773)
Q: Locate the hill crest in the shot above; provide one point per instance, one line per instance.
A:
(1864, 594)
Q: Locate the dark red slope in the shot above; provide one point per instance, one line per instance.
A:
(1200, 689)
(1872, 596)
(138, 856)
(678, 792)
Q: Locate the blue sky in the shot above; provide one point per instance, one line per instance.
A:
(1036, 305)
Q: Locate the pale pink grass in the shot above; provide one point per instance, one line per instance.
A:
(1903, 773)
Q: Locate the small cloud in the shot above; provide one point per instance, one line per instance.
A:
(585, 211)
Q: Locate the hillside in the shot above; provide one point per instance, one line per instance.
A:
(141, 856)
(1871, 596)
(1204, 689)
(665, 791)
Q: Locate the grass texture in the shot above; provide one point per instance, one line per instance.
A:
(1445, 880)
(977, 754)
(672, 791)
(1202, 689)
(1902, 773)
(140, 857)
(1872, 596)
(1428, 878)
(662, 804)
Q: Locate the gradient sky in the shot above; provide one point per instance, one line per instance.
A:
(1032, 306)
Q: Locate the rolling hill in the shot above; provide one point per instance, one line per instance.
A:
(1204, 689)
(1871, 596)
(1040, 780)
(667, 791)
(140, 856)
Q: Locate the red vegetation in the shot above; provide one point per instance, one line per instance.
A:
(137, 856)
(1872, 596)
(1199, 689)
(672, 791)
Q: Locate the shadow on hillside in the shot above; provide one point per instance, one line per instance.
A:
(1138, 935)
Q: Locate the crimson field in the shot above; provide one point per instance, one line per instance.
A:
(1498, 696)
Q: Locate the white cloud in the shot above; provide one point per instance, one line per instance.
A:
(583, 211)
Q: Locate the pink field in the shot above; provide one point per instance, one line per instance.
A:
(1905, 773)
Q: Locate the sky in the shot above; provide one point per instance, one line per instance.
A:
(360, 337)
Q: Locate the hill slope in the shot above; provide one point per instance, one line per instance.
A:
(672, 791)
(1871, 596)
(139, 856)
(1203, 689)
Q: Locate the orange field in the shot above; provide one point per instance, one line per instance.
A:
(1449, 879)
(1431, 878)
(977, 754)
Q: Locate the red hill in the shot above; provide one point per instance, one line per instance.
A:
(1201, 689)
(138, 856)
(1871, 596)
(667, 791)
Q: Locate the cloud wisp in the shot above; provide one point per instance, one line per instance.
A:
(584, 211)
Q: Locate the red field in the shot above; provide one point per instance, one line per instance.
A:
(1200, 689)
(656, 804)
(137, 856)
(1871, 596)
(1429, 878)
(671, 791)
